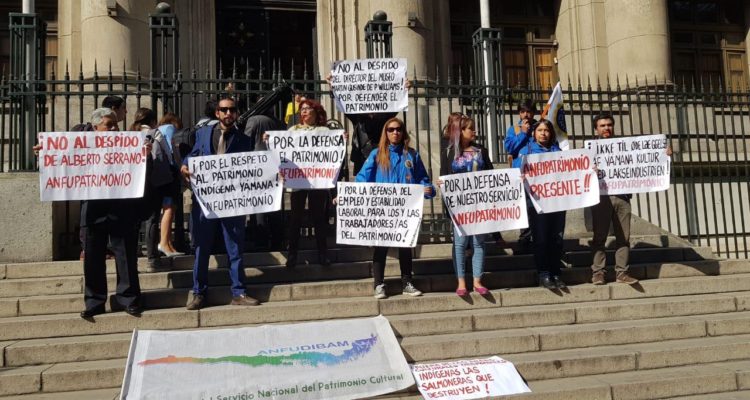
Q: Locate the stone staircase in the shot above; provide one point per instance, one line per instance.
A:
(682, 333)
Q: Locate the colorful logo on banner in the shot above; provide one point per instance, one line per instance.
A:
(358, 348)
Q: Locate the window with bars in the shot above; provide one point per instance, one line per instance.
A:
(708, 43)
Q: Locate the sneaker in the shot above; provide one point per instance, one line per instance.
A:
(597, 278)
(380, 291)
(623, 277)
(244, 300)
(411, 290)
(198, 302)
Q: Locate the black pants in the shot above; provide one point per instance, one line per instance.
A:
(317, 209)
(123, 238)
(378, 264)
(548, 232)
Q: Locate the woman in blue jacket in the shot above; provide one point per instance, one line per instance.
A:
(547, 228)
(394, 162)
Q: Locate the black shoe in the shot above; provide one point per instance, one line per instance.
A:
(198, 302)
(91, 312)
(547, 282)
(134, 310)
(559, 282)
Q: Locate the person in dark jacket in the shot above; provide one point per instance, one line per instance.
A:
(466, 155)
(394, 162)
(517, 137)
(548, 228)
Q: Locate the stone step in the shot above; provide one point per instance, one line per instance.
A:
(542, 369)
(162, 290)
(658, 260)
(27, 327)
(89, 348)
(578, 254)
(97, 394)
(738, 395)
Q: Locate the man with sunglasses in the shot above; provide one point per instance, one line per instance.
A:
(221, 138)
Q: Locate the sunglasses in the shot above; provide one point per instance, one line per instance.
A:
(393, 129)
(227, 110)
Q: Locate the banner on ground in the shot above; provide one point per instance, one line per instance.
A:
(634, 164)
(379, 214)
(561, 180)
(468, 379)
(555, 113)
(338, 359)
(230, 185)
(485, 201)
(91, 165)
(370, 85)
(309, 159)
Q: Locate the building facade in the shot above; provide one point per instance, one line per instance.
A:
(543, 40)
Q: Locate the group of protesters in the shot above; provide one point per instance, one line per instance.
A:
(381, 153)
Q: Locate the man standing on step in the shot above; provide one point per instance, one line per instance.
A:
(516, 138)
(611, 211)
(221, 138)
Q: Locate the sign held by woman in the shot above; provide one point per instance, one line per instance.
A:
(370, 85)
(309, 159)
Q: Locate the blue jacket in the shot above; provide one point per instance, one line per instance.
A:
(203, 136)
(515, 142)
(533, 148)
(405, 168)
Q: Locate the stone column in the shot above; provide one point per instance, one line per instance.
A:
(747, 34)
(581, 34)
(68, 37)
(341, 26)
(638, 40)
(121, 38)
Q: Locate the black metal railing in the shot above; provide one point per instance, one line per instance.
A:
(705, 123)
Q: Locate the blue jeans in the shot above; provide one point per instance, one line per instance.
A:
(459, 251)
(204, 231)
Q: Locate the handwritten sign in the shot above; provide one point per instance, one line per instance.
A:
(91, 165)
(379, 214)
(309, 159)
(235, 184)
(635, 164)
(468, 379)
(370, 85)
(485, 201)
(561, 180)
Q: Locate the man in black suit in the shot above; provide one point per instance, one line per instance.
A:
(116, 220)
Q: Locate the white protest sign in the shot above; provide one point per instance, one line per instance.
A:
(309, 159)
(379, 214)
(338, 359)
(634, 164)
(485, 201)
(230, 185)
(370, 85)
(561, 180)
(91, 165)
(468, 379)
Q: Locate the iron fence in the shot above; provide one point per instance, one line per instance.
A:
(705, 123)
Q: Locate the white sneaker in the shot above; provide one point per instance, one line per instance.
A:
(411, 290)
(380, 291)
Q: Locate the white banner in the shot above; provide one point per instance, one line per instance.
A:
(561, 180)
(339, 359)
(555, 113)
(485, 201)
(309, 159)
(633, 164)
(379, 214)
(370, 85)
(91, 165)
(230, 185)
(468, 379)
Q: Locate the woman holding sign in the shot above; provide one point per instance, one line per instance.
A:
(312, 116)
(394, 162)
(464, 155)
(547, 229)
